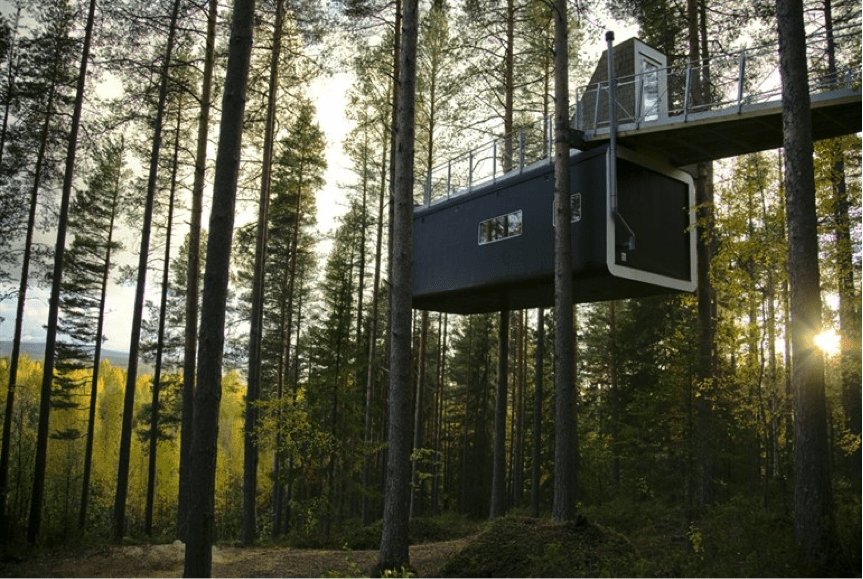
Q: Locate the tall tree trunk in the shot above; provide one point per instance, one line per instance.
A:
(615, 395)
(97, 353)
(701, 495)
(498, 484)
(56, 281)
(394, 537)
(286, 356)
(537, 413)
(373, 331)
(498, 478)
(849, 314)
(208, 394)
(19, 313)
(253, 392)
(813, 499)
(462, 501)
(438, 415)
(193, 273)
(137, 312)
(418, 411)
(519, 411)
(564, 507)
(160, 339)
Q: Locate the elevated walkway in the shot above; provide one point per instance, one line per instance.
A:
(718, 134)
(656, 115)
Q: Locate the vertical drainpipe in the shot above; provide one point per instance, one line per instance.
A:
(612, 126)
(612, 143)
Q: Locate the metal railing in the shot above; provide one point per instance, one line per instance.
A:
(724, 83)
(721, 83)
(488, 162)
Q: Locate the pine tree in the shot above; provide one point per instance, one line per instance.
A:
(137, 312)
(394, 545)
(198, 560)
(57, 277)
(40, 73)
(93, 221)
(813, 515)
(193, 271)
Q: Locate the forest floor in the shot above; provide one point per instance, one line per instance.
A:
(167, 561)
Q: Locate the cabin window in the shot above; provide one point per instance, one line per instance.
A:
(649, 90)
(574, 207)
(500, 227)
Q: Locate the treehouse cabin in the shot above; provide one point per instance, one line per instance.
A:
(641, 87)
(492, 248)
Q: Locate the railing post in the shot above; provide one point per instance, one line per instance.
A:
(470, 170)
(494, 160)
(520, 149)
(448, 178)
(428, 188)
(687, 92)
(550, 136)
(596, 107)
(740, 76)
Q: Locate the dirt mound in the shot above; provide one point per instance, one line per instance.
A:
(524, 547)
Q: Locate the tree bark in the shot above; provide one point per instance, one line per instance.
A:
(537, 413)
(564, 506)
(253, 392)
(19, 313)
(418, 410)
(373, 331)
(849, 314)
(498, 475)
(56, 281)
(163, 308)
(193, 273)
(138, 309)
(201, 526)
(394, 537)
(97, 353)
(813, 500)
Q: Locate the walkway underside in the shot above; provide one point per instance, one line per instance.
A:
(710, 135)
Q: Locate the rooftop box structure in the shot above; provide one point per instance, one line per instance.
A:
(493, 249)
(641, 88)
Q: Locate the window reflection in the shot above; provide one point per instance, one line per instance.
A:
(575, 206)
(650, 90)
(500, 227)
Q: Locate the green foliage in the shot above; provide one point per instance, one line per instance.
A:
(524, 547)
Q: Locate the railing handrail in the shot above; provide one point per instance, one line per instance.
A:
(729, 85)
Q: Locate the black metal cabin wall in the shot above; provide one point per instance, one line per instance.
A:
(453, 272)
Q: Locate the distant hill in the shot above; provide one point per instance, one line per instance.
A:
(36, 351)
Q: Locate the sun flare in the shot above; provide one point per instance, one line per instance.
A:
(828, 342)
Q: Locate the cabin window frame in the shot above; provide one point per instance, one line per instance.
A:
(500, 227)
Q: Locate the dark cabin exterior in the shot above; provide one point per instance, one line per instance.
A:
(492, 249)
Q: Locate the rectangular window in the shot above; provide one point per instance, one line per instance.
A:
(500, 227)
(574, 206)
(649, 90)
